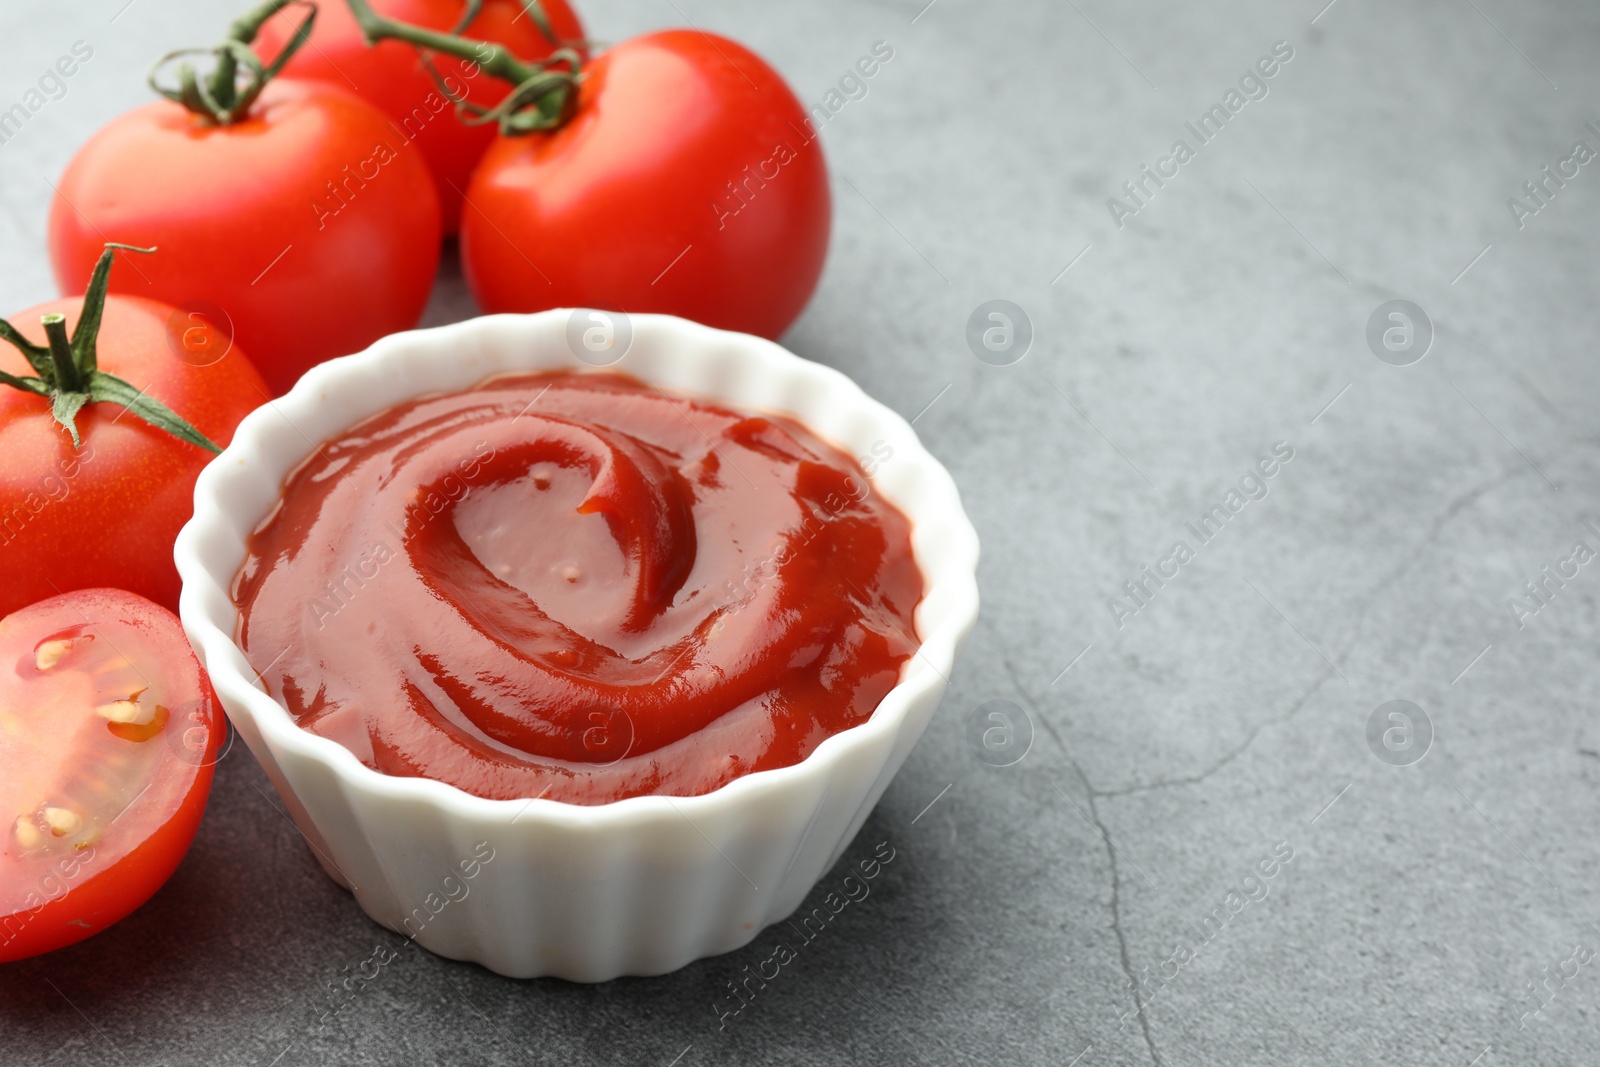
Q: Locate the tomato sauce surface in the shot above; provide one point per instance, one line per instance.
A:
(578, 587)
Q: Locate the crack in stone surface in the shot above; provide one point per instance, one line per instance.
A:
(1111, 855)
(1093, 794)
(1235, 753)
(1034, 709)
(1116, 914)
(1436, 527)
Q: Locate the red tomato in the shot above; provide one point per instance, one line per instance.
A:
(686, 182)
(108, 513)
(311, 222)
(392, 76)
(108, 734)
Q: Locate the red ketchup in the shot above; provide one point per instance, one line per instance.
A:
(577, 587)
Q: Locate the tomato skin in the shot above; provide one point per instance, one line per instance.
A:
(599, 212)
(106, 898)
(392, 77)
(107, 514)
(145, 843)
(246, 216)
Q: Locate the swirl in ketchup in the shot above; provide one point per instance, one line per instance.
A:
(576, 586)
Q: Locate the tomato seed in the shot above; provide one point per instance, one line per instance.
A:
(123, 711)
(61, 821)
(49, 653)
(141, 729)
(28, 835)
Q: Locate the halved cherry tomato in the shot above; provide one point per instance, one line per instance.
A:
(687, 181)
(108, 733)
(392, 76)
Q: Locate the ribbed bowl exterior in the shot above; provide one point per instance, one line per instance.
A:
(534, 887)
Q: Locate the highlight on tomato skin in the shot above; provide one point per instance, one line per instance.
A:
(108, 736)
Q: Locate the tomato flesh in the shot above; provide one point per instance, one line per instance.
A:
(108, 733)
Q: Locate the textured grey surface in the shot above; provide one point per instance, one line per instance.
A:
(1222, 721)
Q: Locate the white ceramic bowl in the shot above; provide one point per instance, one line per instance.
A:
(640, 886)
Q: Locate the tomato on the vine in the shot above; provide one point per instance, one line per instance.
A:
(686, 181)
(675, 173)
(295, 207)
(106, 508)
(108, 733)
(395, 78)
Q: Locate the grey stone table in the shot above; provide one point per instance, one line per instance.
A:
(1218, 845)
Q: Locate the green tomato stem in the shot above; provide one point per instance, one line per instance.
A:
(494, 59)
(246, 26)
(68, 377)
(68, 373)
(220, 97)
(542, 96)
